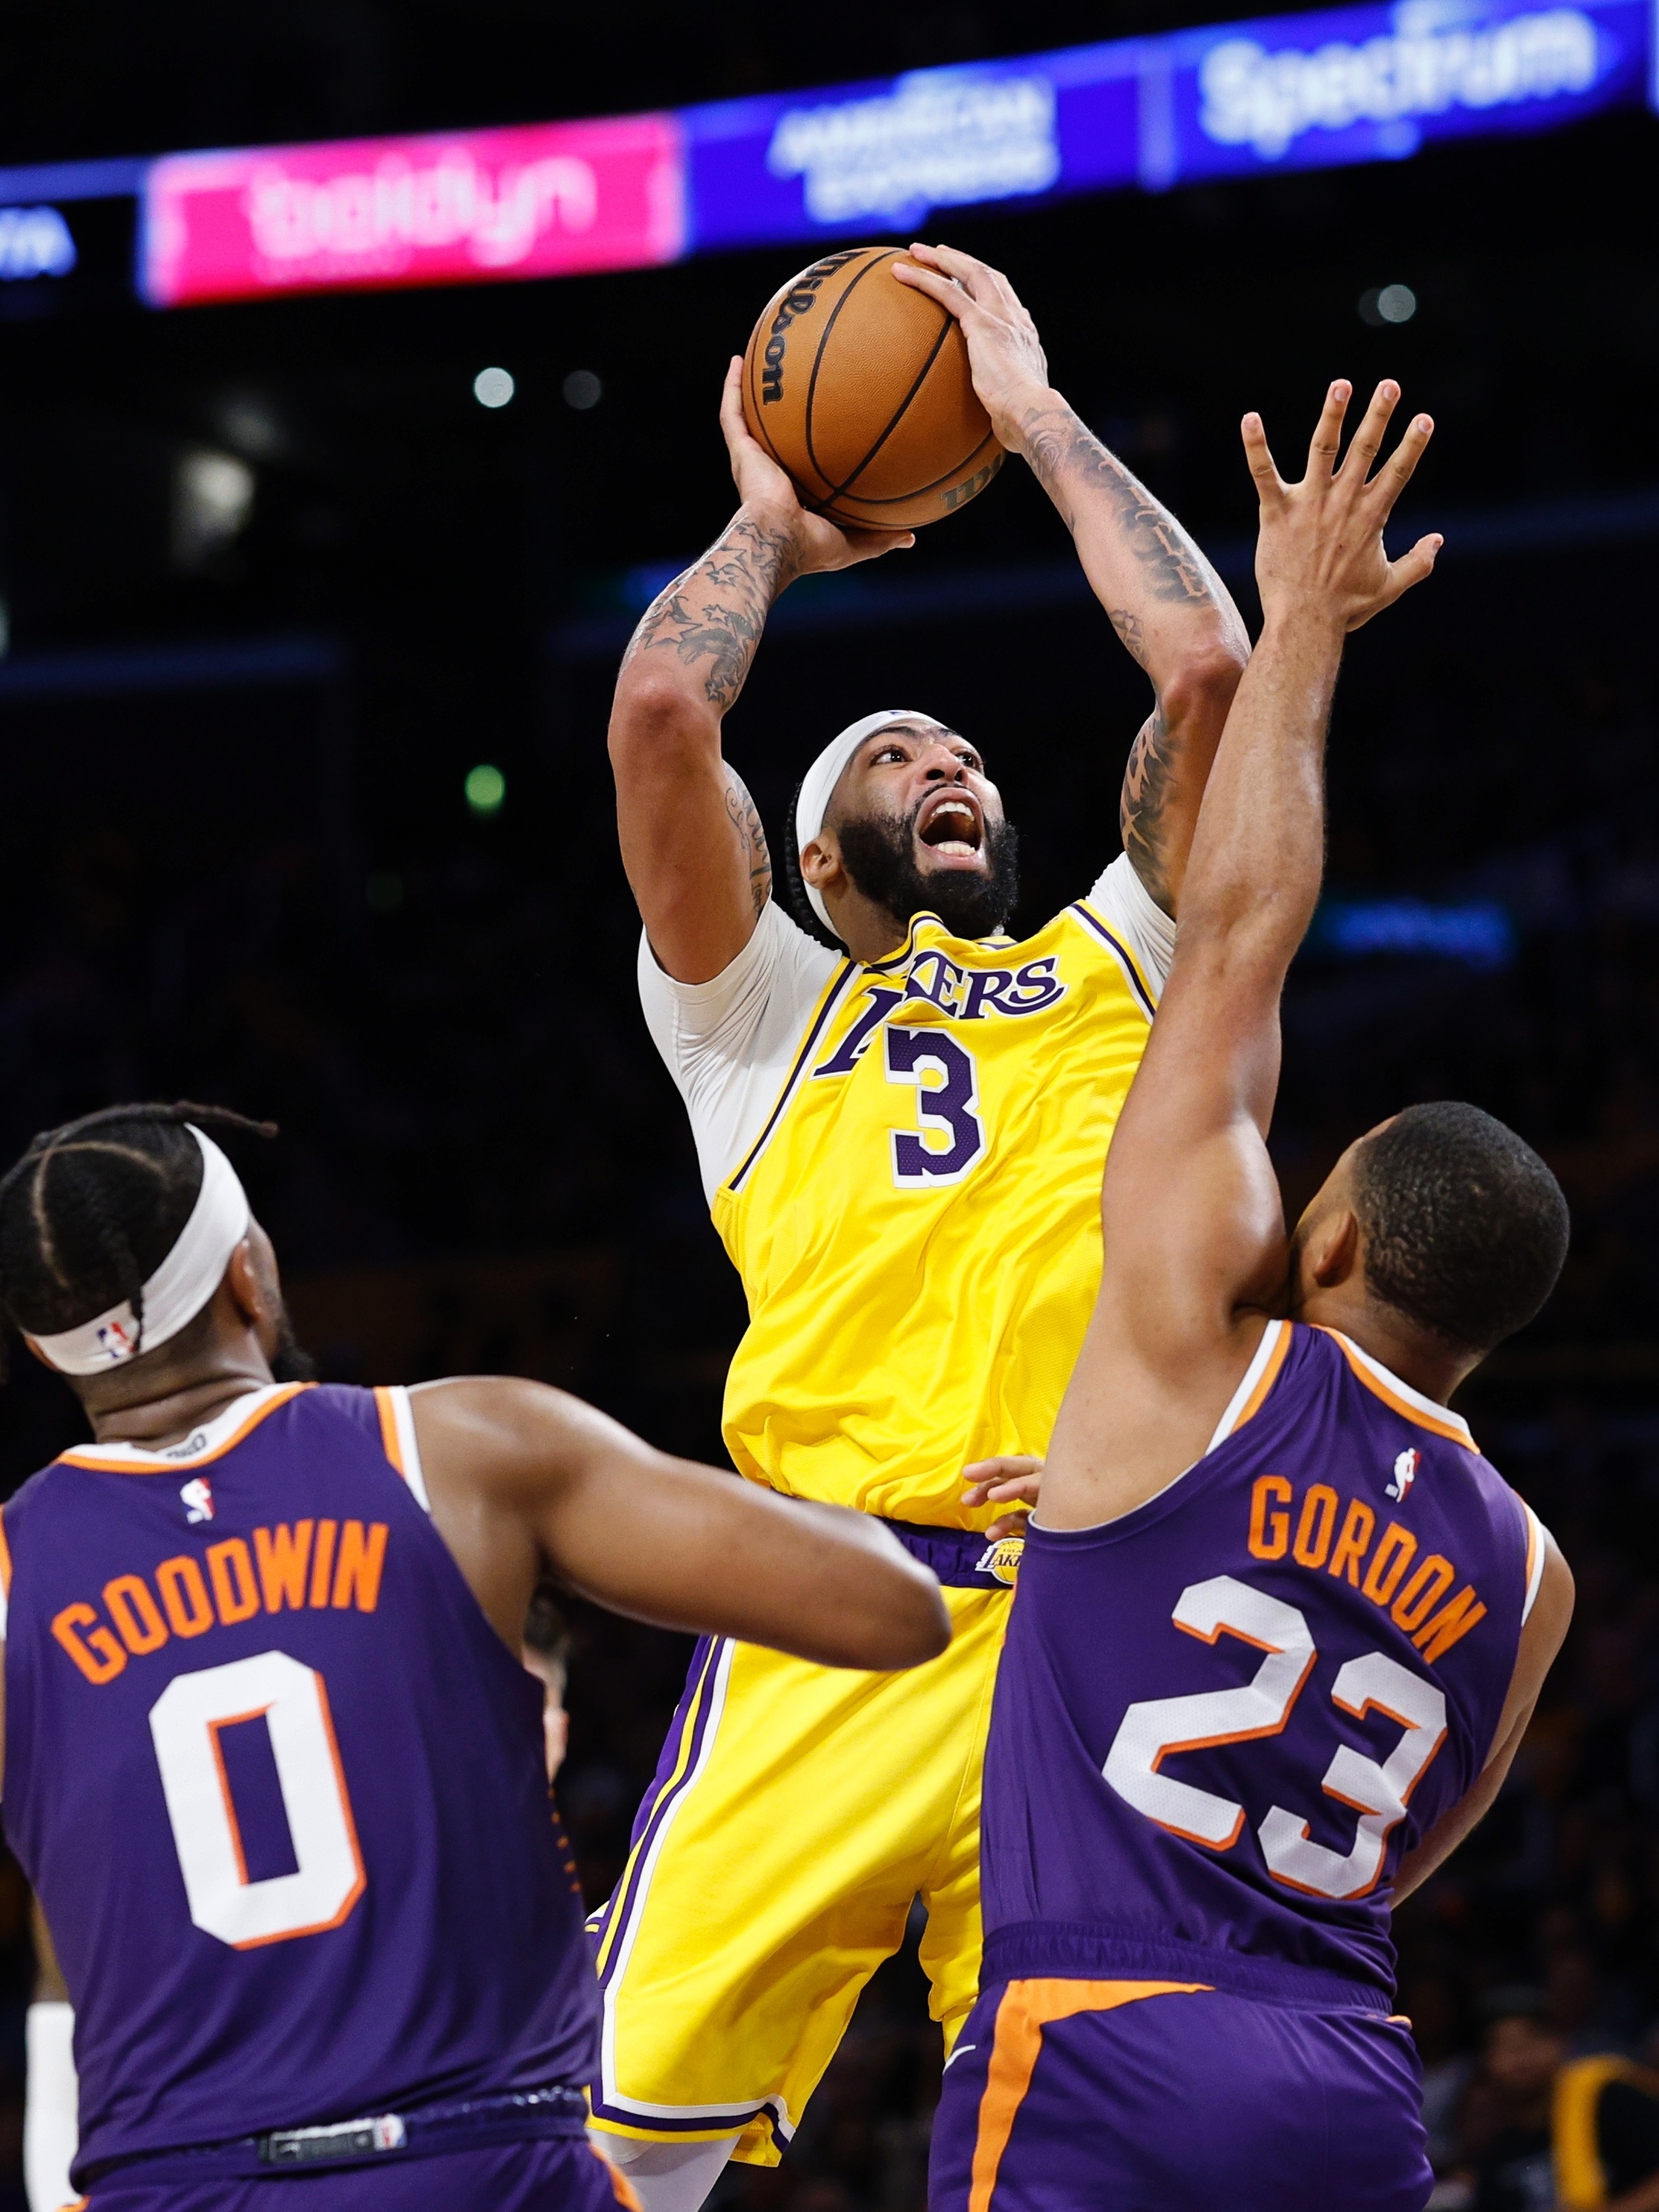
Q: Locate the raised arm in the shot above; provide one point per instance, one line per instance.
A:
(691, 841)
(1166, 602)
(1194, 1230)
(519, 1474)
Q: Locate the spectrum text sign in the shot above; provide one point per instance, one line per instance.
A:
(543, 200)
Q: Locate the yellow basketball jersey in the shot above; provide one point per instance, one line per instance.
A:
(917, 1225)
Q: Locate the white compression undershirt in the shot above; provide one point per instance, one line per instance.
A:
(729, 1043)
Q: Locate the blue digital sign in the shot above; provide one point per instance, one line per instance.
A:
(1346, 85)
(34, 241)
(1251, 99)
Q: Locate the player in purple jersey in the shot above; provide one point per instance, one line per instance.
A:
(271, 1760)
(1279, 1627)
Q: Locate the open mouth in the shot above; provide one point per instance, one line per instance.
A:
(952, 825)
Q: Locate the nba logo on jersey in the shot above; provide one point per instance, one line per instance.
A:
(197, 1496)
(1404, 1474)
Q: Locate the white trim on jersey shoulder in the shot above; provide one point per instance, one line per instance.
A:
(1432, 1410)
(1537, 1543)
(408, 1445)
(1247, 1381)
(197, 1446)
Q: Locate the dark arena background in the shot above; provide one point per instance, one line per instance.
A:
(307, 807)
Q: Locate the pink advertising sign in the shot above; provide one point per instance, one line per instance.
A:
(543, 200)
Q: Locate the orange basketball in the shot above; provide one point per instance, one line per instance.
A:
(858, 386)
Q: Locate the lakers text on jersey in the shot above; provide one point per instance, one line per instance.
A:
(918, 1224)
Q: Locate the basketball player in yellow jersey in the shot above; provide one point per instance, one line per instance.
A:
(900, 1116)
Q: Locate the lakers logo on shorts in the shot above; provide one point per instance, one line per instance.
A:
(1001, 1559)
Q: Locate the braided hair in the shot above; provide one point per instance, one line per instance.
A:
(800, 907)
(92, 1209)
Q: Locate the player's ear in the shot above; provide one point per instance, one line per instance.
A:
(1332, 1253)
(820, 862)
(242, 1283)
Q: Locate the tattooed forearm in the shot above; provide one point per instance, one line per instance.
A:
(1073, 466)
(1132, 632)
(711, 617)
(1148, 783)
(751, 837)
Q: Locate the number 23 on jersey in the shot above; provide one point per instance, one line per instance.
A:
(1379, 1792)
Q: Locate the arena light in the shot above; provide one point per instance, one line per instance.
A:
(1477, 933)
(485, 787)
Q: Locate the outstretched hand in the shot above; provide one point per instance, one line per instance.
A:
(817, 543)
(1321, 543)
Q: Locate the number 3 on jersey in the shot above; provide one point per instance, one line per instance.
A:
(946, 1085)
(185, 1725)
(1157, 1727)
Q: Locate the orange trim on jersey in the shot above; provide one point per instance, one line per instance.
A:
(1448, 1426)
(5, 1557)
(622, 2187)
(1026, 2008)
(158, 1463)
(1265, 1381)
(389, 1443)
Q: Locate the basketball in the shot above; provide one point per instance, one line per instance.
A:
(858, 386)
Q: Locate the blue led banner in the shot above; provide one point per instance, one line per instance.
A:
(877, 156)
(1237, 99)
(1351, 84)
(1373, 84)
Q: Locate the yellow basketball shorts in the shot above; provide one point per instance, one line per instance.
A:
(797, 1812)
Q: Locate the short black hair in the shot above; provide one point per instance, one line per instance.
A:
(1466, 1229)
(92, 1209)
(795, 900)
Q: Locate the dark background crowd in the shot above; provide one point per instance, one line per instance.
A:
(237, 862)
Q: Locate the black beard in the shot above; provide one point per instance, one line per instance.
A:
(878, 853)
(290, 1362)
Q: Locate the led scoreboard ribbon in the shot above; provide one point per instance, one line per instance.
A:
(1345, 85)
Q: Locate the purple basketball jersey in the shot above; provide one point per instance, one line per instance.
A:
(1220, 1720)
(280, 1786)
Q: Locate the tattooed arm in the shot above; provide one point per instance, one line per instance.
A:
(1164, 600)
(691, 839)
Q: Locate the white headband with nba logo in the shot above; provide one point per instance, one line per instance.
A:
(192, 1272)
(818, 784)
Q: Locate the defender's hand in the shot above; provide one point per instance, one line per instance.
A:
(816, 542)
(1010, 368)
(1014, 1479)
(1320, 545)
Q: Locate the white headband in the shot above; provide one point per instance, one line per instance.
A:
(820, 782)
(179, 1289)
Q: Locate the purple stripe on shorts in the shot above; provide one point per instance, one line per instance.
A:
(731, 2120)
(663, 1794)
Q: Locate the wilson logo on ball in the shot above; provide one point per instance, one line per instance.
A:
(877, 422)
(801, 296)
